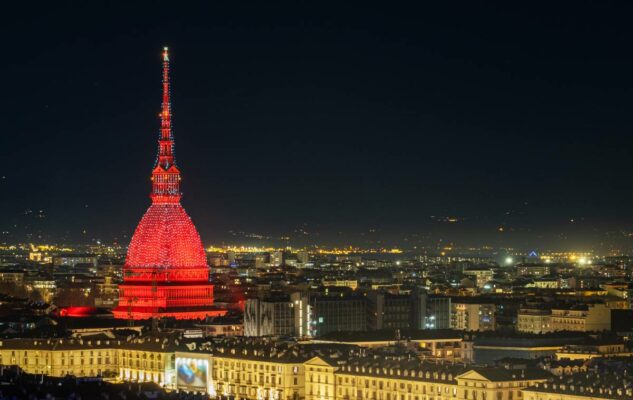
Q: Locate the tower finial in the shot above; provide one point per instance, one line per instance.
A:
(166, 175)
(166, 140)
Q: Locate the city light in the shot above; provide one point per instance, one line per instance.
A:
(406, 202)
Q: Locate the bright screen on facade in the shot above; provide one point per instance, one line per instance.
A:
(192, 374)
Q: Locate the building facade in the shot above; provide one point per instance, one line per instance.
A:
(438, 312)
(531, 320)
(395, 311)
(336, 314)
(269, 317)
(473, 317)
(244, 369)
(582, 318)
(480, 276)
(399, 380)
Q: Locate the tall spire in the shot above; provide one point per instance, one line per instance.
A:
(165, 176)
(166, 141)
(165, 272)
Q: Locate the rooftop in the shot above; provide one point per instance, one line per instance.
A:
(392, 335)
(601, 383)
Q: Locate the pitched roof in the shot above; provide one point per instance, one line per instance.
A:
(506, 375)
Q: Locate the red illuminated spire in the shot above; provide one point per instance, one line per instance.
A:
(166, 140)
(165, 271)
(165, 176)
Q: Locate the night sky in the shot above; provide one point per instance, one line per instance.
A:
(357, 124)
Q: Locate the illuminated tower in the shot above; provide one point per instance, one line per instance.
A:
(166, 272)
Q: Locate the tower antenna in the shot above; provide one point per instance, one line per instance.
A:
(166, 175)
(166, 145)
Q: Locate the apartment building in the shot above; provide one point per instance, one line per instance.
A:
(473, 316)
(534, 320)
(581, 318)
(255, 369)
(397, 379)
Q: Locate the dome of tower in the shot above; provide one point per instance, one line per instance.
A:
(166, 237)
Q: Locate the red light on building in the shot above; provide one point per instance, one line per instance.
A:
(166, 272)
(77, 312)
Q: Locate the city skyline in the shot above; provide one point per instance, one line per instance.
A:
(304, 128)
(235, 201)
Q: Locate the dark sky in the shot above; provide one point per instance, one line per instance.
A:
(352, 123)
